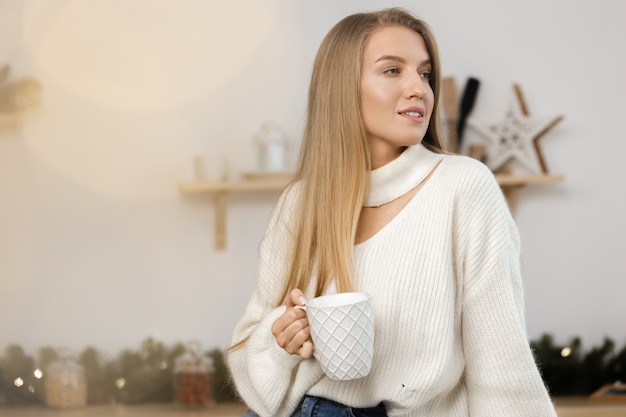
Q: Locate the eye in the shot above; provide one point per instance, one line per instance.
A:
(392, 71)
(425, 75)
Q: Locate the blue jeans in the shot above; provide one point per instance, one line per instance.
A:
(320, 407)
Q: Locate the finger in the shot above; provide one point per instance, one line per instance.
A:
(286, 319)
(306, 351)
(296, 298)
(298, 339)
(288, 325)
(292, 335)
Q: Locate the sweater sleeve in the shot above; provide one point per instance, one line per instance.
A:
(501, 375)
(268, 379)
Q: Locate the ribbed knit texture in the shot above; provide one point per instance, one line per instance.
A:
(447, 295)
(392, 181)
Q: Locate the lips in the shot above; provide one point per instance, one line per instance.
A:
(413, 112)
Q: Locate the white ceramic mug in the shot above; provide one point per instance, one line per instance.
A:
(342, 329)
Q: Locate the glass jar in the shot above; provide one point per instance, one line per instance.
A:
(271, 142)
(65, 384)
(192, 377)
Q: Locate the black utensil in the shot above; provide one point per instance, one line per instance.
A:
(467, 104)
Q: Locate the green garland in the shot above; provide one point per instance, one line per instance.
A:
(570, 370)
(148, 373)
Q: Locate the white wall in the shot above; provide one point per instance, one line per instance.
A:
(97, 246)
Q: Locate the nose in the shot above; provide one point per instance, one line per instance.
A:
(416, 87)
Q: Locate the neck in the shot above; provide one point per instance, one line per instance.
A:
(382, 156)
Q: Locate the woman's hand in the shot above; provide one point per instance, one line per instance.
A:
(291, 329)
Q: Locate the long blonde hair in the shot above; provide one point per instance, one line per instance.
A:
(334, 165)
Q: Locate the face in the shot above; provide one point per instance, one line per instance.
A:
(396, 97)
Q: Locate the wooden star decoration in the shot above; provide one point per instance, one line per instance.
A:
(516, 136)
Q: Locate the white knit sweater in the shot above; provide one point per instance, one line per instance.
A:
(444, 277)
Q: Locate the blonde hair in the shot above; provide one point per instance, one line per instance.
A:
(334, 163)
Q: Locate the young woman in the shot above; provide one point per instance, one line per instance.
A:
(377, 206)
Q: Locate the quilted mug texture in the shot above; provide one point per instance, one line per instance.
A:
(342, 328)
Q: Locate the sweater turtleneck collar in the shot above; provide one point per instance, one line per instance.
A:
(398, 177)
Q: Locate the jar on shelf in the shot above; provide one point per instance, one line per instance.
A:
(65, 384)
(271, 142)
(193, 377)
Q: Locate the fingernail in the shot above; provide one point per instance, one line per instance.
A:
(302, 300)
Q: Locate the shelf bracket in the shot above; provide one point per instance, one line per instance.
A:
(510, 193)
(220, 219)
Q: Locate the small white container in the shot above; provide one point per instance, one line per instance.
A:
(271, 142)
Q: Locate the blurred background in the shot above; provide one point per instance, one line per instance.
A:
(98, 247)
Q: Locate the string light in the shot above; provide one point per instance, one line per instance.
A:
(18, 382)
(120, 382)
(38, 374)
(566, 351)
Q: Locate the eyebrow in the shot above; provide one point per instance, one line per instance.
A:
(399, 59)
(391, 58)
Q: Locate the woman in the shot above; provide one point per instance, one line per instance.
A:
(377, 206)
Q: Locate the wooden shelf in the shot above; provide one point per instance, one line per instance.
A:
(220, 190)
(507, 180)
(509, 183)
(226, 186)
